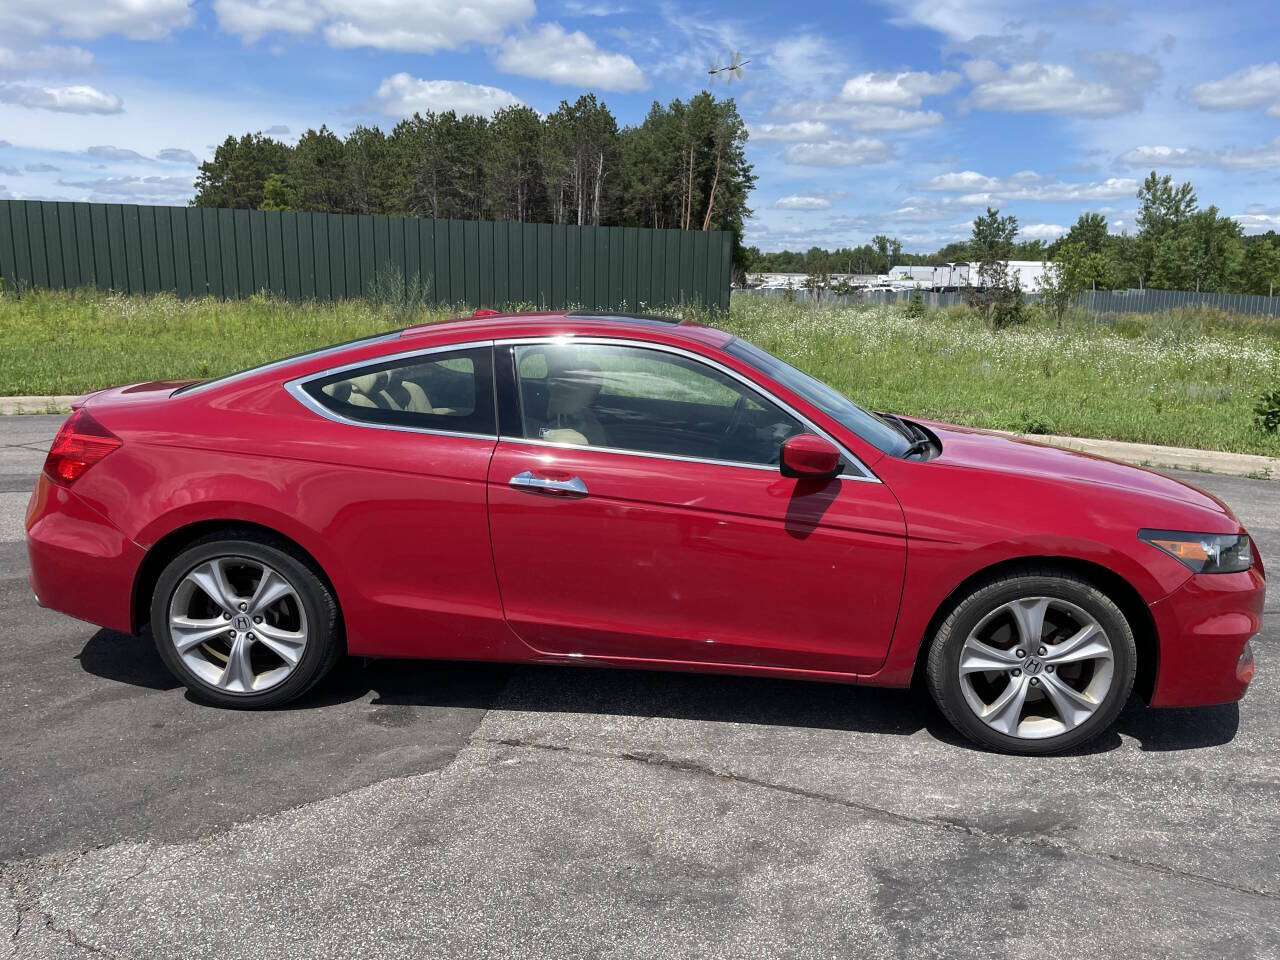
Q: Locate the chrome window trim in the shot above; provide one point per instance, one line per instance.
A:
(849, 457)
(276, 364)
(295, 388)
(524, 441)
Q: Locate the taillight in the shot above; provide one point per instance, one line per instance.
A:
(81, 443)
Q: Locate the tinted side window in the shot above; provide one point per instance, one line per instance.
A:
(645, 400)
(450, 391)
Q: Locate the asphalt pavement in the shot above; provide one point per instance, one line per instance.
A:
(461, 810)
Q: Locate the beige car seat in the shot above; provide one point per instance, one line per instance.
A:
(379, 390)
(570, 392)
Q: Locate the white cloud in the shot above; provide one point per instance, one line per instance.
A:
(401, 95)
(903, 89)
(412, 26)
(1160, 156)
(961, 181)
(802, 62)
(253, 19)
(1264, 156)
(1257, 222)
(915, 210)
(1042, 231)
(132, 188)
(176, 155)
(872, 103)
(116, 154)
(976, 189)
(74, 99)
(45, 57)
(877, 118)
(955, 19)
(800, 201)
(579, 9)
(790, 132)
(1253, 86)
(87, 19)
(839, 153)
(278, 130)
(41, 168)
(1054, 88)
(865, 118)
(552, 53)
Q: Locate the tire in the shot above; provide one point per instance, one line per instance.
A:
(237, 637)
(1088, 648)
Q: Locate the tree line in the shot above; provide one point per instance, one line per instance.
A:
(683, 167)
(1178, 245)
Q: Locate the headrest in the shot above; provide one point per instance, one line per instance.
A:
(573, 387)
(371, 383)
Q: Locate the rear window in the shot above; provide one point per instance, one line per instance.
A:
(448, 391)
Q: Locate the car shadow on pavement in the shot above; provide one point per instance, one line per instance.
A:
(641, 693)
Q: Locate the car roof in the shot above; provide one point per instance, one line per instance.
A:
(490, 324)
(482, 325)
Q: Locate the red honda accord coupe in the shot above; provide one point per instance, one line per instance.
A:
(634, 492)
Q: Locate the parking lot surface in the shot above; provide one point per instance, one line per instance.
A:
(461, 810)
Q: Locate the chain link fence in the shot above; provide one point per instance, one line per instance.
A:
(1095, 302)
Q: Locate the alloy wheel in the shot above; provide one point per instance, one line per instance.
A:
(238, 624)
(1036, 667)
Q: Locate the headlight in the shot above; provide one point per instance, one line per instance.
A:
(1204, 552)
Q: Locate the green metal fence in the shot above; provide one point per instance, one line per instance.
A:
(194, 251)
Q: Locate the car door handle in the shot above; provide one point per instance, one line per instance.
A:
(531, 481)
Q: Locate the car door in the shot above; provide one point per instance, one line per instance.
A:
(637, 512)
(405, 442)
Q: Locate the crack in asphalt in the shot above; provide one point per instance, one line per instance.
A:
(26, 905)
(688, 765)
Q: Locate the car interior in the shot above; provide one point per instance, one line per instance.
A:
(442, 388)
(671, 407)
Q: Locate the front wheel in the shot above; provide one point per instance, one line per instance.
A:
(1033, 662)
(243, 622)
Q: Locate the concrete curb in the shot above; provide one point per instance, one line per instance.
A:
(1142, 454)
(1178, 458)
(9, 405)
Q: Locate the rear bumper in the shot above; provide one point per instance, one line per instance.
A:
(81, 565)
(1204, 628)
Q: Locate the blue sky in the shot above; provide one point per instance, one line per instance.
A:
(903, 117)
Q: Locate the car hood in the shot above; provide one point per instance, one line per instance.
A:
(987, 449)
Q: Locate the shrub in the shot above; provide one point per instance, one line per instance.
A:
(1266, 412)
(915, 306)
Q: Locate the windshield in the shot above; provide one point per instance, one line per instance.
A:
(840, 408)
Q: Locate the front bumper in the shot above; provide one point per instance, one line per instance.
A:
(81, 565)
(1204, 628)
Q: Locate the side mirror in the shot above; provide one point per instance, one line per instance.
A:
(809, 457)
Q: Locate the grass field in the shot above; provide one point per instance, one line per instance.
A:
(1186, 380)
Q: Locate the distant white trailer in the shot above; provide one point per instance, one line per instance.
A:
(959, 275)
(796, 281)
(911, 276)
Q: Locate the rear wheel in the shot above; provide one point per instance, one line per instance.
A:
(244, 623)
(1033, 662)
